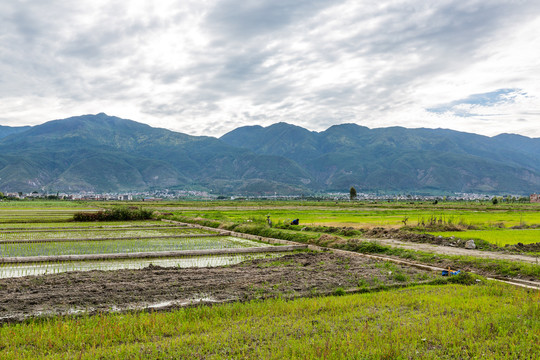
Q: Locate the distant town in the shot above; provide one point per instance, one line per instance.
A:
(168, 194)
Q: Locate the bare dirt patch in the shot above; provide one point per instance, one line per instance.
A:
(448, 250)
(302, 274)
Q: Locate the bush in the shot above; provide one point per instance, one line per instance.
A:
(339, 291)
(117, 214)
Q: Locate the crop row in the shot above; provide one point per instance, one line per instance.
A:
(71, 225)
(18, 270)
(122, 246)
(134, 233)
(27, 219)
(79, 228)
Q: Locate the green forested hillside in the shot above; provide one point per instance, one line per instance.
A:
(9, 130)
(105, 153)
(400, 159)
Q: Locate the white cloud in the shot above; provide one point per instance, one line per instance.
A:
(206, 67)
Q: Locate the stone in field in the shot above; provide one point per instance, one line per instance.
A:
(470, 245)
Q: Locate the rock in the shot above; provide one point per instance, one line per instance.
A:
(470, 245)
(519, 244)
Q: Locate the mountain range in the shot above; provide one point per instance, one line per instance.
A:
(104, 153)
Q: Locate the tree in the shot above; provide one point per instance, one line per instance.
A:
(352, 193)
(495, 201)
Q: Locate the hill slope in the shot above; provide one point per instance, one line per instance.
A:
(104, 153)
(8, 130)
(401, 159)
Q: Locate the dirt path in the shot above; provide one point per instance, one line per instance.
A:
(301, 274)
(449, 250)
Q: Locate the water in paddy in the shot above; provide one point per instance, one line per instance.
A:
(123, 246)
(19, 270)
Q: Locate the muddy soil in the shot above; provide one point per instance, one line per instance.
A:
(449, 250)
(302, 274)
(399, 234)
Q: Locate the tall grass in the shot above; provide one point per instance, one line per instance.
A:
(490, 321)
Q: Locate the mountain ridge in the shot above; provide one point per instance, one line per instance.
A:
(103, 153)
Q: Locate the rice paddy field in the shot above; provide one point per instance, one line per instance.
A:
(29, 216)
(30, 269)
(307, 305)
(499, 237)
(364, 216)
(33, 233)
(123, 245)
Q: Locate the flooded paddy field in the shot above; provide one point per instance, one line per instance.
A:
(25, 269)
(63, 286)
(18, 243)
(11, 215)
(124, 245)
(292, 275)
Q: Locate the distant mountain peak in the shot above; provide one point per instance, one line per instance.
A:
(99, 152)
(12, 130)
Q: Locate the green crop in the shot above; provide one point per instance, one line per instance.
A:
(499, 237)
(368, 217)
(492, 321)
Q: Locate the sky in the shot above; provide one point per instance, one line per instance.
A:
(207, 67)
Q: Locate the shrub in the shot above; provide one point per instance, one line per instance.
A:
(339, 291)
(116, 214)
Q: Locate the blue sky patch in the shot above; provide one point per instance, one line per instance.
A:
(497, 97)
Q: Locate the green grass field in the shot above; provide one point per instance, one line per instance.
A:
(360, 214)
(453, 321)
(485, 321)
(499, 237)
(361, 217)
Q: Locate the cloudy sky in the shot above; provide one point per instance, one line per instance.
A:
(207, 67)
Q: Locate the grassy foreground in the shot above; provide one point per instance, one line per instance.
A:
(487, 320)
